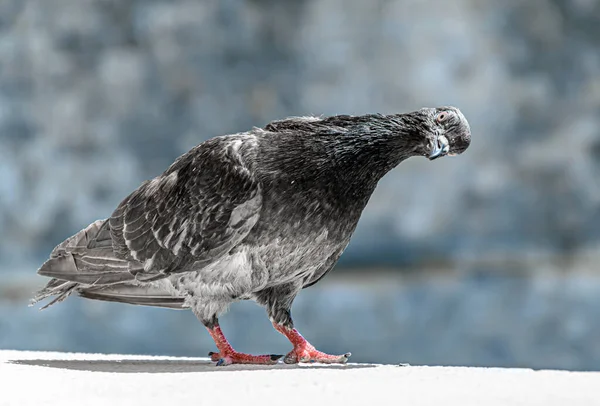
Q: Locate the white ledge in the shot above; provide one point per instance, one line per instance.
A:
(36, 378)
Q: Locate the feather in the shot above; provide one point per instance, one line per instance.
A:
(137, 295)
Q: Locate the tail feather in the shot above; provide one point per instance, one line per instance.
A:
(83, 260)
(86, 264)
(136, 295)
(71, 268)
(56, 287)
(64, 293)
(95, 235)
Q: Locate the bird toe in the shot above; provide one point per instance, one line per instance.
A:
(344, 358)
(314, 356)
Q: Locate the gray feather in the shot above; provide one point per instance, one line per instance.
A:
(136, 295)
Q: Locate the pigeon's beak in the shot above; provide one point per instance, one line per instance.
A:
(440, 147)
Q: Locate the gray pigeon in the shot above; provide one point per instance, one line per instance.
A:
(257, 215)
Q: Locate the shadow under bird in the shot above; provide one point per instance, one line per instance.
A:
(257, 215)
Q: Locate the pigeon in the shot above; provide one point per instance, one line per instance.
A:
(258, 215)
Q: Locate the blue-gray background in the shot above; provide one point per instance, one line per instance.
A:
(485, 259)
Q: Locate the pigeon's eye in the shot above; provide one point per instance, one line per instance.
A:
(441, 117)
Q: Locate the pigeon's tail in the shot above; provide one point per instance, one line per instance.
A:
(82, 261)
(143, 295)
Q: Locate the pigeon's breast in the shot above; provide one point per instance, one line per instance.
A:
(296, 256)
(300, 227)
(234, 275)
(252, 267)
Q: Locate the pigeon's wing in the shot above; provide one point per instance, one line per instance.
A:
(196, 211)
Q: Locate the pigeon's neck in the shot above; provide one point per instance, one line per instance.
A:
(339, 158)
(362, 159)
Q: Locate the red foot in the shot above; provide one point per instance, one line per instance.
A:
(227, 355)
(304, 352)
(310, 354)
(241, 358)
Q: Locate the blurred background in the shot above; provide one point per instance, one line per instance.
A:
(488, 259)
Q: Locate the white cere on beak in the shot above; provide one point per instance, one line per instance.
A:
(441, 146)
(443, 141)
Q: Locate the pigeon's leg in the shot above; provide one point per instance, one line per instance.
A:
(227, 355)
(278, 301)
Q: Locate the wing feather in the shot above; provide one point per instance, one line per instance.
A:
(200, 208)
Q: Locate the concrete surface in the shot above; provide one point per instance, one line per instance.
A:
(43, 378)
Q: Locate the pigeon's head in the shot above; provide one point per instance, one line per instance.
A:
(447, 132)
